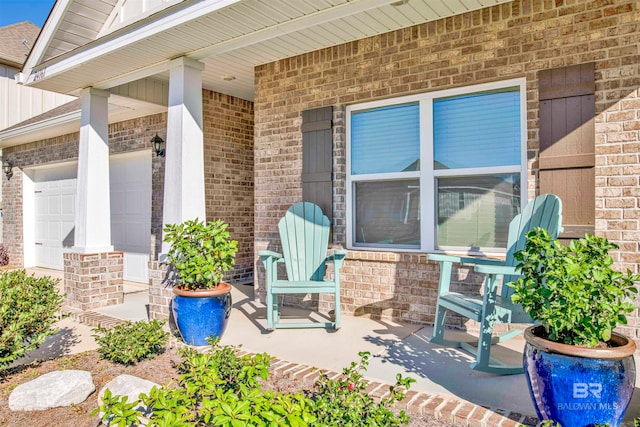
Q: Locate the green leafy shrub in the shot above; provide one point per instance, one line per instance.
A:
(200, 253)
(344, 401)
(131, 342)
(220, 388)
(573, 291)
(29, 306)
(120, 412)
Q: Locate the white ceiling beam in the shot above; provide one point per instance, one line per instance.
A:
(134, 75)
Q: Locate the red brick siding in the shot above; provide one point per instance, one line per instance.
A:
(228, 172)
(516, 39)
(124, 136)
(228, 153)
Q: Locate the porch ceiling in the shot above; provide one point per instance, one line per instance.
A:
(231, 37)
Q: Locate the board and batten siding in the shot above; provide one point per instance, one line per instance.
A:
(19, 103)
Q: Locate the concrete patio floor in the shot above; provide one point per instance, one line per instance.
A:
(395, 348)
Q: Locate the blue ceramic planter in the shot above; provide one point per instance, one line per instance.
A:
(201, 314)
(579, 390)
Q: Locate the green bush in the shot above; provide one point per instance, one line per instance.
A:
(344, 401)
(200, 252)
(220, 388)
(573, 291)
(29, 306)
(130, 342)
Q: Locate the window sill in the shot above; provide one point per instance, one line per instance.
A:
(395, 255)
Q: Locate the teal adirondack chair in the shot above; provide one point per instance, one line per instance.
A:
(304, 234)
(544, 211)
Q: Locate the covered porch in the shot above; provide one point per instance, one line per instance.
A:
(445, 387)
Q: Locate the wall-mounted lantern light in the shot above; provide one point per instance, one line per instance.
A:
(158, 145)
(7, 169)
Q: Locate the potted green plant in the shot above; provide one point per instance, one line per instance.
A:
(580, 372)
(199, 255)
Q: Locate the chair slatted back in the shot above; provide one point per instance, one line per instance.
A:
(544, 211)
(304, 233)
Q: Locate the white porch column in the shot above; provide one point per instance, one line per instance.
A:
(184, 160)
(93, 207)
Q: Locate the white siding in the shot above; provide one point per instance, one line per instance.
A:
(19, 103)
(129, 11)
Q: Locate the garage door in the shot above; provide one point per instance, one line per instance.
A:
(54, 220)
(130, 179)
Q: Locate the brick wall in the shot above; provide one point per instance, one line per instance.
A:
(124, 136)
(93, 280)
(228, 153)
(228, 172)
(516, 39)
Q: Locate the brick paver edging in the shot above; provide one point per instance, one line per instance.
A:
(448, 409)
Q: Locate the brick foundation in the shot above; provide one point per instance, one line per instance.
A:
(159, 293)
(93, 280)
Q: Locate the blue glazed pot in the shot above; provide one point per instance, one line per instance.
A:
(579, 387)
(201, 314)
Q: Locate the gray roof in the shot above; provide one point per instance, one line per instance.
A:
(12, 50)
(67, 108)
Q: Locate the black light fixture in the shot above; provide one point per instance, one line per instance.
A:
(158, 145)
(7, 169)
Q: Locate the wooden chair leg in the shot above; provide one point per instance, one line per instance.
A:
(336, 311)
(438, 327)
(484, 362)
(270, 323)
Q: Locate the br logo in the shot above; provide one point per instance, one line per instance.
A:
(583, 390)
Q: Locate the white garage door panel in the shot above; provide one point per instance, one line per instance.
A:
(130, 179)
(54, 221)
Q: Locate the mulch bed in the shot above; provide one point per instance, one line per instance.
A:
(160, 370)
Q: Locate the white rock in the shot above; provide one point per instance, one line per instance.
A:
(58, 388)
(130, 386)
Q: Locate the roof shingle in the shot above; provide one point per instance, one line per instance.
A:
(12, 50)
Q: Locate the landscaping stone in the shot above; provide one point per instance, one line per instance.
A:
(58, 388)
(130, 386)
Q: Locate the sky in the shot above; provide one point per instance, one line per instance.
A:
(35, 11)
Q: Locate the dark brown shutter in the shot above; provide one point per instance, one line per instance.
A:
(317, 158)
(567, 144)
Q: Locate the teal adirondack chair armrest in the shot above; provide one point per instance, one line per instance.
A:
(337, 257)
(270, 260)
(446, 262)
(265, 255)
(494, 271)
(464, 260)
(502, 270)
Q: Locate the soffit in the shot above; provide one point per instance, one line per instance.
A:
(81, 24)
(233, 39)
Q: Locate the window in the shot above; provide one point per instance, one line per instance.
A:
(438, 171)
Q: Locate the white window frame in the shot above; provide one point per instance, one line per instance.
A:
(427, 175)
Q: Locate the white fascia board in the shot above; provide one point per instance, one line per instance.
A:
(121, 39)
(46, 34)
